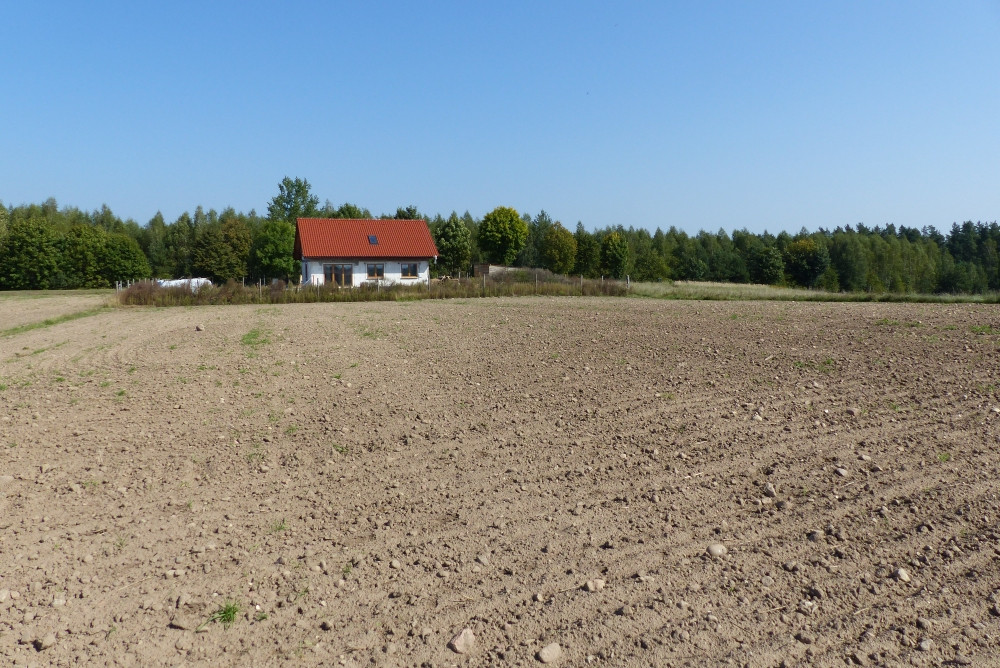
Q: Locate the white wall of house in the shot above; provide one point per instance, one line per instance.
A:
(313, 272)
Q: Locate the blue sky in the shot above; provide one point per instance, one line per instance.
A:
(703, 115)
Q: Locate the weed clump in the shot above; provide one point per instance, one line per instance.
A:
(226, 615)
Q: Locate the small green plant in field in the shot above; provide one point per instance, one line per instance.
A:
(341, 449)
(944, 457)
(827, 365)
(950, 327)
(984, 329)
(12, 444)
(290, 431)
(894, 406)
(60, 379)
(302, 592)
(348, 568)
(105, 383)
(336, 376)
(120, 543)
(886, 322)
(255, 456)
(255, 337)
(110, 632)
(120, 393)
(173, 347)
(182, 380)
(354, 366)
(3, 387)
(278, 527)
(132, 369)
(260, 616)
(91, 484)
(225, 615)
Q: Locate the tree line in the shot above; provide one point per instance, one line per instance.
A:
(44, 246)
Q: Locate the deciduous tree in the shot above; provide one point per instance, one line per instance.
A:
(83, 257)
(558, 249)
(123, 260)
(502, 235)
(614, 254)
(294, 200)
(273, 245)
(454, 244)
(805, 261)
(29, 256)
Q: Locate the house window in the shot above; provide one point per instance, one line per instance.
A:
(373, 240)
(408, 270)
(341, 274)
(376, 271)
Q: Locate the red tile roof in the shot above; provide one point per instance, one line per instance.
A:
(349, 238)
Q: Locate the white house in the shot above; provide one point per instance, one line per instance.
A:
(351, 252)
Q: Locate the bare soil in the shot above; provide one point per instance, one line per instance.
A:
(364, 481)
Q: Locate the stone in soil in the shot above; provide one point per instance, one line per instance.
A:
(463, 642)
(550, 653)
(716, 550)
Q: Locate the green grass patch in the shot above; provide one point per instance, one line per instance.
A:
(255, 337)
(984, 329)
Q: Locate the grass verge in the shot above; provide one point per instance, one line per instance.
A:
(58, 320)
(701, 290)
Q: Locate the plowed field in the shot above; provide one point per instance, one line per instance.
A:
(358, 483)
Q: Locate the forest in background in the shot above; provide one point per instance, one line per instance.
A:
(43, 246)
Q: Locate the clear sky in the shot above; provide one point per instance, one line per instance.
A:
(699, 114)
